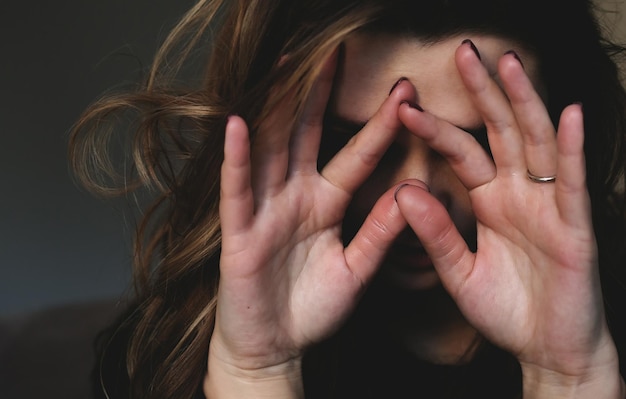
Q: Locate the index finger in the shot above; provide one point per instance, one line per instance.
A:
(353, 164)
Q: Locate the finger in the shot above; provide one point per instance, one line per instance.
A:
(571, 190)
(369, 246)
(467, 158)
(236, 198)
(538, 133)
(306, 139)
(349, 168)
(494, 108)
(433, 226)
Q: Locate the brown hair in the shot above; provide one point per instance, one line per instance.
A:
(177, 143)
(174, 122)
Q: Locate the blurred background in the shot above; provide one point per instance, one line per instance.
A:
(57, 243)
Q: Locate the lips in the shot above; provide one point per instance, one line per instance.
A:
(408, 266)
(409, 256)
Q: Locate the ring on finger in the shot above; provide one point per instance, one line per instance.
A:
(540, 179)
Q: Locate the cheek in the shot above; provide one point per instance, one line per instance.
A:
(455, 198)
(463, 216)
(362, 203)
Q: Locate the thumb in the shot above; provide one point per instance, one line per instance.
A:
(369, 246)
(438, 235)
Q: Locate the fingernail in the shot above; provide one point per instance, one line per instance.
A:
(412, 105)
(472, 46)
(425, 187)
(396, 84)
(514, 54)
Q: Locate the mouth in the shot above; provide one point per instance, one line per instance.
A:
(409, 258)
(408, 254)
(408, 265)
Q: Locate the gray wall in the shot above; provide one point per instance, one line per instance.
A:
(58, 244)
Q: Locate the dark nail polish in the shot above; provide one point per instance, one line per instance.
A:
(514, 54)
(472, 46)
(412, 105)
(400, 187)
(396, 84)
(425, 187)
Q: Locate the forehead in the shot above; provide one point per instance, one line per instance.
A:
(372, 63)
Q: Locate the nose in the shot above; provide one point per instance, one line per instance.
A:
(410, 158)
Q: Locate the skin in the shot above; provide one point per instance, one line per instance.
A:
(439, 332)
(517, 258)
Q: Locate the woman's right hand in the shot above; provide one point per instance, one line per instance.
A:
(287, 280)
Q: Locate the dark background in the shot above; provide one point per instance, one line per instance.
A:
(58, 244)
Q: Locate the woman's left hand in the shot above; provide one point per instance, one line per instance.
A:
(532, 286)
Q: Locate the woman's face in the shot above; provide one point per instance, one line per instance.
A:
(372, 63)
(412, 305)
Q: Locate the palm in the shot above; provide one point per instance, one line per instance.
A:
(286, 278)
(531, 272)
(532, 285)
(288, 269)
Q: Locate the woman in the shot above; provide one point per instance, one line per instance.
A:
(413, 198)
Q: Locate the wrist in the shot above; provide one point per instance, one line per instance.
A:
(586, 374)
(225, 380)
(604, 382)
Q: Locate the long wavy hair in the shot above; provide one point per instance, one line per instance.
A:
(161, 141)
